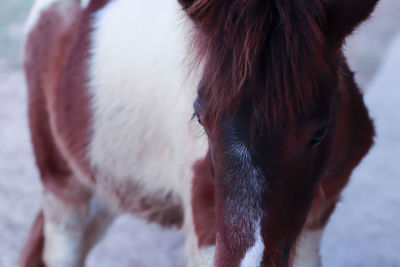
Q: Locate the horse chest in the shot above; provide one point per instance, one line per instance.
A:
(139, 147)
(143, 141)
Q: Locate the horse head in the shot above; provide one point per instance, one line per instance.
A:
(269, 101)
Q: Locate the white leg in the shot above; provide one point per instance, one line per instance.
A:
(206, 256)
(71, 229)
(198, 257)
(64, 230)
(100, 219)
(307, 252)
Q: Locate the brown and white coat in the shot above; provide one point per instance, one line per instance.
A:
(111, 91)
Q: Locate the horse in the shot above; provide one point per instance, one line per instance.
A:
(239, 122)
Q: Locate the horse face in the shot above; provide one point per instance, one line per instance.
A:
(268, 57)
(264, 185)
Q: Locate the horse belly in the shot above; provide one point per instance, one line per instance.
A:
(143, 141)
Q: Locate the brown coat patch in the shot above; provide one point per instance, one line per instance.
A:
(203, 202)
(72, 108)
(45, 53)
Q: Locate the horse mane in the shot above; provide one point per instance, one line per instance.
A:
(263, 55)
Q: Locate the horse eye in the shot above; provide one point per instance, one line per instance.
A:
(198, 119)
(318, 136)
(196, 107)
(197, 116)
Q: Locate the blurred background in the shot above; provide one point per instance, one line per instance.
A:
(364, 230)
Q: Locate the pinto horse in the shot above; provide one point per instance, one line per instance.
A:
(113, 86)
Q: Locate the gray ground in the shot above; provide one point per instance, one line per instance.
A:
(363, 232)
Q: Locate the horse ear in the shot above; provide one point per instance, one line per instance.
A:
(343, 16)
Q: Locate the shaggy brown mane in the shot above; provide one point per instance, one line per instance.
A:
(262, 54)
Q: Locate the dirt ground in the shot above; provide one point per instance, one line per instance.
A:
(363, 232)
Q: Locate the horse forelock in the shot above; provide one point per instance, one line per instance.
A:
(266, 55)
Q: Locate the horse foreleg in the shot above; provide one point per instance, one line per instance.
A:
(308, 243)
(71, 229)
(200, 222)
(198, 255)
(307, 252)
(65, 230)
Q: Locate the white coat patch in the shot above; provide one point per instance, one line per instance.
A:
(142, 99)
(254, 255)
(307, 252)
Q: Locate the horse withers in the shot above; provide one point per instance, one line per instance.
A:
(113, 86)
